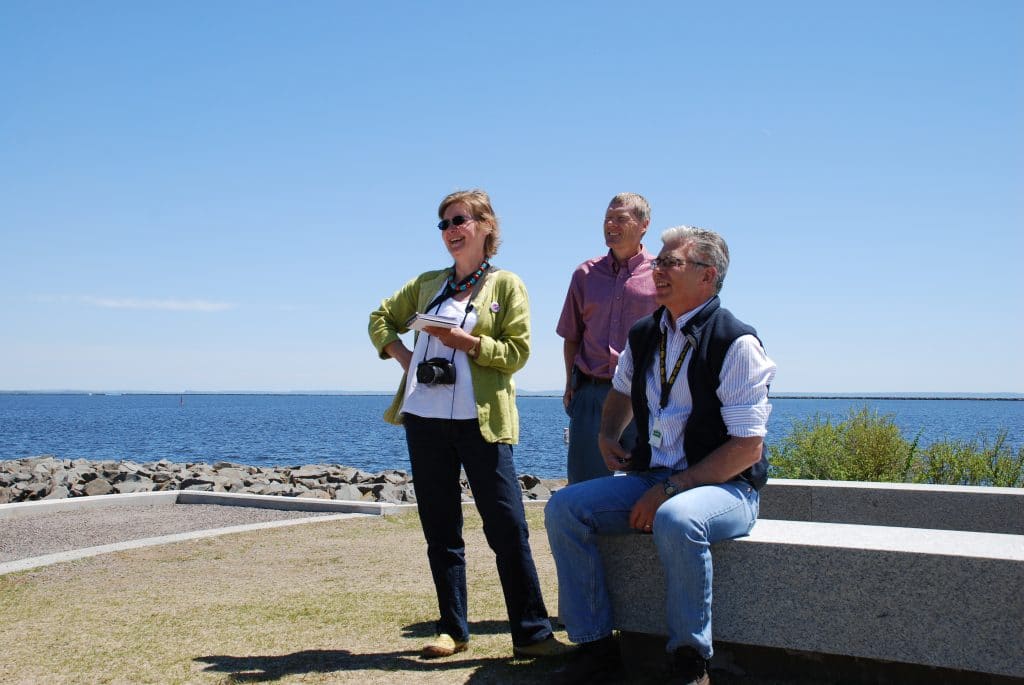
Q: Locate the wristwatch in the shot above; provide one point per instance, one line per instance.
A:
(670, 489)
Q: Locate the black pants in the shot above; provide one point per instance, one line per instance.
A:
(437, 450)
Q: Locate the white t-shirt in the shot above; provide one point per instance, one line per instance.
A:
(442, 401)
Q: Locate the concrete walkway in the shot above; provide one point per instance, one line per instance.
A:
(41, 533)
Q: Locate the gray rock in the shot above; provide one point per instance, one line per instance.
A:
(59, 492)
(348, 492)
(135, 484)
(127, 467)
(310, 471)
(215, 483)
(529, 481)
(233, 474)
(390, 493)
(274, 489)
(342, 474)
(390, 476)
(46, 476)
(34, 490)
(314, 494)
(361, 477)
(538, 491)
(99, 486)
(83, 473)
(44, 468)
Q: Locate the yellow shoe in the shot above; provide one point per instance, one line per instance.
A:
(549, 646)
(443, 645)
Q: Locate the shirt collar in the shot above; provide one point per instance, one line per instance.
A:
(686, 316)
(633, 263)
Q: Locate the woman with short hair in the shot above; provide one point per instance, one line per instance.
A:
(457, 404)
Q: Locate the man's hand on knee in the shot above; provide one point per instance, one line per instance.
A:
(642, 516)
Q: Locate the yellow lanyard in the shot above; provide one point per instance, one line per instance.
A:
(667, 383)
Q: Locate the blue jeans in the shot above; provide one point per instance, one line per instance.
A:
(437, 450)
(584, 461)
(685, 526)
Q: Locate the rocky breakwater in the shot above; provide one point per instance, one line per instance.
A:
(48, 477)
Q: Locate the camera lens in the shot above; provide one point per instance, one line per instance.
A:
(435, 371)
(427, 373)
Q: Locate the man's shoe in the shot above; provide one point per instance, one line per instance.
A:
(688, 667)
(443, 645)
(592, 662)
(549, 646)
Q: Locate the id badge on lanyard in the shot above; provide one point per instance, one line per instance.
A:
(655, 440)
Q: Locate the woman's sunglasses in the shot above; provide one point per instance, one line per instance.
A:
(456, 220)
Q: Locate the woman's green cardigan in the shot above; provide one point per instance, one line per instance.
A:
(503, 326)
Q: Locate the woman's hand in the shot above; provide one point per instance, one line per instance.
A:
(455, 338)
(400, 353)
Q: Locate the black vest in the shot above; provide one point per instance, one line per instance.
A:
(711, 332)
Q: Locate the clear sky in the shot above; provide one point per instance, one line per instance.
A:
(214, 195)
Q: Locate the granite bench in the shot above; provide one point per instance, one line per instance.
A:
(870, 571)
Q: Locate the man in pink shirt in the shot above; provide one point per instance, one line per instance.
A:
(607, 295)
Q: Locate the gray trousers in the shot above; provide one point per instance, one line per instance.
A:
(585, 461)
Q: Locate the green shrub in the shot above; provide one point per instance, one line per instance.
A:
(867, 446)
(966, 463)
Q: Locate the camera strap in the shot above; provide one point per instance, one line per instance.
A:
(448, 290)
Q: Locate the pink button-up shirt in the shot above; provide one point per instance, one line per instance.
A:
(604, 300)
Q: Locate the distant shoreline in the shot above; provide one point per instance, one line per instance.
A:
(989, 397)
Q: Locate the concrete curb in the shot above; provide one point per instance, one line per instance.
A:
(171, 497)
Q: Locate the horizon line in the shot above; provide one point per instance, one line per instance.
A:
(791, 394)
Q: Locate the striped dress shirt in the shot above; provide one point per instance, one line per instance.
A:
(746, 374)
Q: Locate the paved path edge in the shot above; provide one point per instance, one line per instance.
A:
(72, 555)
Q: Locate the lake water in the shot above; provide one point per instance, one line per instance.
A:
(303, 429)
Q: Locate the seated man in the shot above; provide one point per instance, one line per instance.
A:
(694, 476)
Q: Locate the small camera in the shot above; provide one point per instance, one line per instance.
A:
(436, 371)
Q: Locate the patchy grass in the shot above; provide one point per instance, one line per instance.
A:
(330, 602)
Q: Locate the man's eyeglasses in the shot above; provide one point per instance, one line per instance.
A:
(456, 220)
(670, 262)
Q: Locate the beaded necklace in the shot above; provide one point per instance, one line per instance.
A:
(469, 281)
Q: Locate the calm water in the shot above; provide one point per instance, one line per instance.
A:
(300, 429)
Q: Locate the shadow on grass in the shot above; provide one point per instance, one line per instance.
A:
(427, 629)
(254, 669)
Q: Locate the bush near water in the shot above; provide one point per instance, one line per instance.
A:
(867, 446)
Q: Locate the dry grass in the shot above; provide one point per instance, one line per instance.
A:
(333, 602)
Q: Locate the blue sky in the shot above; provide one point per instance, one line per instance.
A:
(213, 196)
